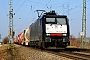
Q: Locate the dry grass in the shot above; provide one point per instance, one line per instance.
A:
(77, 42)
(3, 52)
(7, 52)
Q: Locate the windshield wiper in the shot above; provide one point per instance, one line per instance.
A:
(59, 23)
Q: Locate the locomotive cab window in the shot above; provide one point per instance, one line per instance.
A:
(50, 20)
(61, 21)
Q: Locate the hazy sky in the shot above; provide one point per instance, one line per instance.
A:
(25, 14)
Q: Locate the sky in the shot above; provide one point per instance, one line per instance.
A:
(25, 14)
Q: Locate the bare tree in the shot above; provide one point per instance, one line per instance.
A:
(6, 40)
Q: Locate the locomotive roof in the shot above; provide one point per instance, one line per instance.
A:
(55, 16)
(52, 14)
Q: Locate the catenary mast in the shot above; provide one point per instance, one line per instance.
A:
(84, 24)
(10, 34)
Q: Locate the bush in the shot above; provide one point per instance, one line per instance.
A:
(6, 40)
(12, 50)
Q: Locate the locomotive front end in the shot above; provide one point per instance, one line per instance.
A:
(56, 31)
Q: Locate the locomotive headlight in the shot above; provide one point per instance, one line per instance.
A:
(64, 34)
(47, 34)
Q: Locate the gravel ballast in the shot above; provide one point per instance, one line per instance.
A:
(28, 53)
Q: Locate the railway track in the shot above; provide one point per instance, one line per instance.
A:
(74, 55)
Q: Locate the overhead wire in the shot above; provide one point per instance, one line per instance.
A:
(39, 3)
(74, 9)
(64, 3)
(44, 6)
(20, 6)
(16, 3)
(32, 14)
(23, 24)
(77, 7)
(27, 17)
(52, 5)
(47, 3)
(79, 16)
(18, 10)
(70, 8)
(36, 2)
(61, 5)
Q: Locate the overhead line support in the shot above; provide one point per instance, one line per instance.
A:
(84, 25)
(10, 34)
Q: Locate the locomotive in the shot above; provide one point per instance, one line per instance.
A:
(50, 31)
